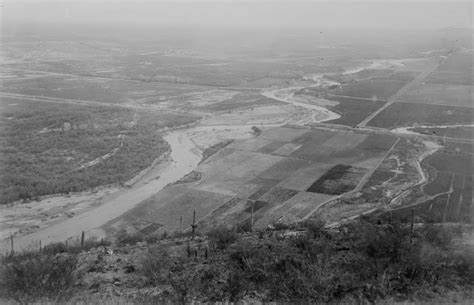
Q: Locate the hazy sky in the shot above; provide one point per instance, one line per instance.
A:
(256, 13)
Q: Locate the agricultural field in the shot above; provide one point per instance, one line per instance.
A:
(456, 70)
(359, 92)
(452, 78)
(259, 114)
(365, 74)
(338, 180)
(93, 89)
(396, 174)
(444, 97)
(448, 192)
(353, 110)
(52, 148)
(440, 94)
(459, 132)
(372, 84)
(403, 114)
(120, 61)
(274, 174)
(373, 89)
(236, 101)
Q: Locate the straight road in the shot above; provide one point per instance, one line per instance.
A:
(401, 92)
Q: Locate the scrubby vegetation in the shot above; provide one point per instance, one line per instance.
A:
(364, 261)
(48, 274)
(208, 152)
(31, 277)
(403, 114)
(52, 148)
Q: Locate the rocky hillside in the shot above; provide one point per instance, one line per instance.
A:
(360, 262)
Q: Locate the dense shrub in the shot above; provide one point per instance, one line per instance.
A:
(365, 261)
(156, 265)
(440, 236)
(222, 237)
(75, 246)
(124, 238)
(48, 149)
(314, 227)
(30, 277)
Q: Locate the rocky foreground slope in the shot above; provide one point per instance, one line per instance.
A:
(364, 261)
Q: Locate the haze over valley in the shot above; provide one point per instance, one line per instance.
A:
(220, 116)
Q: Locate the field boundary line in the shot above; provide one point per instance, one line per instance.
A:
(358, 97)
(461, 198)
(400, 92)
(369, 174)
(431, 104)
(327, 202)
(451, 190)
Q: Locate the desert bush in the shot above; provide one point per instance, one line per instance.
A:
(161, 268)
(440, 236)
(314, 227)
(223, 237)
(244, 227)
(35, 276)
(256, 131)
(183, 283)
(75, 247)
(124, 238)
(153, 238)
(156, 264)
(55, 248)
(221, 281)
(280, 226)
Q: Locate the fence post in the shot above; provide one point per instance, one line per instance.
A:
(412, 224)
(40, 246)
(82, 239)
